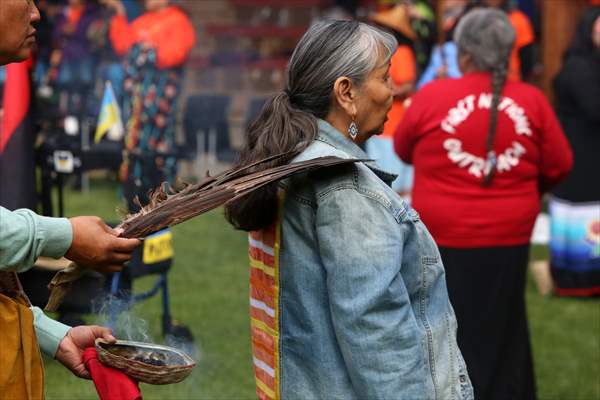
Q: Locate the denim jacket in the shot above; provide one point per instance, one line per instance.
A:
(348, 293)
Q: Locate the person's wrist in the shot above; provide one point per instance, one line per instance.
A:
(62, 345)
(58, 233)
(70, 251)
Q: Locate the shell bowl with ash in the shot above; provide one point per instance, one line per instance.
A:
(146, 362)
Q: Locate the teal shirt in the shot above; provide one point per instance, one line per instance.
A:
(24, 236)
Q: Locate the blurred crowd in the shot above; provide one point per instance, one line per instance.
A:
(131, 44)
(427, 51)
(474, 145)
(140, 47)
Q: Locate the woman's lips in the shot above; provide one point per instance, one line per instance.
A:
(30, 39)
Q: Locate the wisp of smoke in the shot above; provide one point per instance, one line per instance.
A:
(118, 314)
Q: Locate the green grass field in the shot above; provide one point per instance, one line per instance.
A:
(209, 293)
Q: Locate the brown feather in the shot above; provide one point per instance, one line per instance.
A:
(167, 208)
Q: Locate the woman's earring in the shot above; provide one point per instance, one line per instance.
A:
(353, 130)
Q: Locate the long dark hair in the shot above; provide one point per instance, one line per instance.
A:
(288, 121)
(487, 36)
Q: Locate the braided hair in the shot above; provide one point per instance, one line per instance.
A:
(487, 37)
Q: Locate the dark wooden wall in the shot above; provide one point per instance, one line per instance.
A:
(559, 19)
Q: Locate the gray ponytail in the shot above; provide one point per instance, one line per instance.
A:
(487, 36)
(327, 51)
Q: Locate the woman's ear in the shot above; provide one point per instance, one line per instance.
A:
(344, 94)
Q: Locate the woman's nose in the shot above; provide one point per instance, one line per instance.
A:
(34, 14)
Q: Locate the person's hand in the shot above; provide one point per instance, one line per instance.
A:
(96, 246)
(70, 350)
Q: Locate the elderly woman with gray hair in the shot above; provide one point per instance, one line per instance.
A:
(348, 297)
(484, 150)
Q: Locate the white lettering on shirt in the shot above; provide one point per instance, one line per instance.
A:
(465, 106)
(458, 114)
(510, 157)
(475, 165)
(485, 101)
(464, 159)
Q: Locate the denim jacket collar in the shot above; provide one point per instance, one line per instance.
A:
(328, 134)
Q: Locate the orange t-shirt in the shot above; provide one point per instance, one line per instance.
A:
(74, 14)
(525, 36)
(402, 70)
(169, 31)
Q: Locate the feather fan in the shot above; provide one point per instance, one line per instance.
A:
(167, 209)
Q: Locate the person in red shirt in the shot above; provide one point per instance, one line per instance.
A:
(484, 149)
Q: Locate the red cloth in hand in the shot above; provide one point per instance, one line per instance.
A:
(111, 384)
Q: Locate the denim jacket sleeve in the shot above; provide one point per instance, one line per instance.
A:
(361, 245)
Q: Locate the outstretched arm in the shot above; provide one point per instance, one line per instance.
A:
(24, 236)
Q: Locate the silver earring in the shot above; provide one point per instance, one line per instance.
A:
(353, 130)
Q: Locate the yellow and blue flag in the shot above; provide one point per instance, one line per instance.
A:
(109, 119)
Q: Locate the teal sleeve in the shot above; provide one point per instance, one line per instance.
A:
(49, 332)
(24, 236)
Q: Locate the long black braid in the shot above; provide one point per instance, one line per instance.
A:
(487, 37)
(499, 75)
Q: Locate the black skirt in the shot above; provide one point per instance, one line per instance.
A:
(487, 290)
